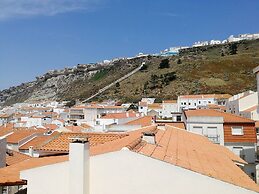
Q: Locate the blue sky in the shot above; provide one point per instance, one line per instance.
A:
(37, 35)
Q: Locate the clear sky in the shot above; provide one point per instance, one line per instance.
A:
(40, 35)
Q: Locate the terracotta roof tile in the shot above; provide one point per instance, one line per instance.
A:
(200, 96)
(120, 115)
(175, 146)
(21, 133)
(11, 175)
(155, 106)
(61, 142)
(39, 141)
(228, 117)
(51, 126)
(197, 153)
(143, 121)
(13, 157)
(18, 136)
(75, 129)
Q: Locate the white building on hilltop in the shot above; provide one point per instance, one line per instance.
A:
(243, 37)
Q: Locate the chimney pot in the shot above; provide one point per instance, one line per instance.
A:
(149, 137)
(31, 151)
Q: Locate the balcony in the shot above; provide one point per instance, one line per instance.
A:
(213, 138)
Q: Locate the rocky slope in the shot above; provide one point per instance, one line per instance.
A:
(212, 69)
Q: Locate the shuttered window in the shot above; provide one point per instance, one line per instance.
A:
(237, 130)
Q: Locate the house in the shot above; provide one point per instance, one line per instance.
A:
(19, 137)
(154, 109)
(36, 120)
(236, 133)
(143, 108)
(91, 112)
(5, 118)
(243, 103)
(152, 160)
(117, 118)
(170, 110)
(32, 146)
(200, 43)
(148, 100)
(201, 101)
(251, 113)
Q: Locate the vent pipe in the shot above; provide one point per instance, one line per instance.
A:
(149, 137)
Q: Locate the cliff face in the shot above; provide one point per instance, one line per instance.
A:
(212, 69)
(70, 83)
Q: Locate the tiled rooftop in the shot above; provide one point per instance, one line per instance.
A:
(196, 153)
(19, 135)
(228, 117)
(13, 157)
(200, 96)
(61, 142)
(38, 141)
(120, 115)
(143, 121)
(175, 146)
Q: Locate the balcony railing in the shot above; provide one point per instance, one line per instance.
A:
(214, 138)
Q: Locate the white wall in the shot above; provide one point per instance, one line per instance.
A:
(193, 103)
(248, 101)
(208, 124)
(126, 172)
(168, 108)
(51, 179)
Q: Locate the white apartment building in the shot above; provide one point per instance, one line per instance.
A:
(243, 37)
(244, 104)
(90, 113)
(170, 110)
(200, 43)
(201, 100)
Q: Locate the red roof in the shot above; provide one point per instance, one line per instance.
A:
(228, 117)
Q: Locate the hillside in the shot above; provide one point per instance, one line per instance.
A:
(211, 69)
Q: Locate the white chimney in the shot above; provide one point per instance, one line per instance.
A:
(2, 153)
(79, 166)
(31, 151)
(149, 137)
(127, 114)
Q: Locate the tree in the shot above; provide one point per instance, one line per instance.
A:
(144, 67)
(117, 85)
(179, 61)
(70, 103)
(164, 64)
(132, 107)
(233, 48)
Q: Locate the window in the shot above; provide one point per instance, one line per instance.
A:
(197, 129)
(178, 118)
(199, 102)
(237, 130)
(184, 103)
(189, 103)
